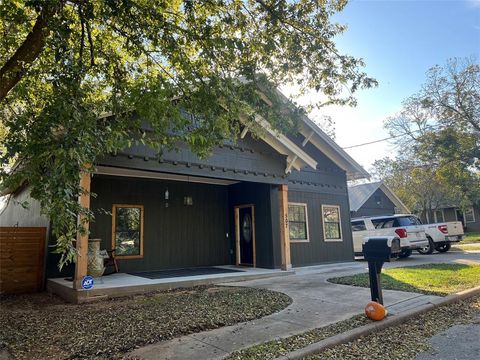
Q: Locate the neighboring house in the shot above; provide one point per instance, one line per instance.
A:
(271, 201)
(470, 217)
(374, 199)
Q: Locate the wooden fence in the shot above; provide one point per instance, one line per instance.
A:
(22, 257)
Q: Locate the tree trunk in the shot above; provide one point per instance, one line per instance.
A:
(13, 70)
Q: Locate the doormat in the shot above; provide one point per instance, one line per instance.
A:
(165, 274)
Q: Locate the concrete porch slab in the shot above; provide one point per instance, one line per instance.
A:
(122, 284)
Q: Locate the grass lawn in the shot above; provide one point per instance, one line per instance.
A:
(40, 326)
(471, 238)
(466, 247)
(436, 279)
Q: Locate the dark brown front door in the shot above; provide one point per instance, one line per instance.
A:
(245, 234)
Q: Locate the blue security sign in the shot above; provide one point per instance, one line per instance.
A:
(87, 282)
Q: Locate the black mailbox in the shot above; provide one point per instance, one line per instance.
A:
(381, 248)
(377, 250)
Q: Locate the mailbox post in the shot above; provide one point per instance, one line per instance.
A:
(377, 250)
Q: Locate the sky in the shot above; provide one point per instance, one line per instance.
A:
(399, 41)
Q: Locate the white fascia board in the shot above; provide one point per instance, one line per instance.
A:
(329, 147)
(394, 198)
(334, 152)
(284, 142)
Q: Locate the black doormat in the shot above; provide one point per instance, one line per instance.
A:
(165, 274)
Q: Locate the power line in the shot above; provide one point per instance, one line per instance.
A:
(388, 138)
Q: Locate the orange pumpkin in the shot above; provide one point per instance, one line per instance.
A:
(375, 311)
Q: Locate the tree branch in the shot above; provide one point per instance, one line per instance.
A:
(13, 70)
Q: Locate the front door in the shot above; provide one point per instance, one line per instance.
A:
(245, 234)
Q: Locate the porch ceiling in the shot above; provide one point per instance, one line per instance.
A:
(117, 171)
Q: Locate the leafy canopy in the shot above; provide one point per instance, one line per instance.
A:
(79, 77)
(438, 132)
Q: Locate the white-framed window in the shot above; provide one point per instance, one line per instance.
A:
(469, 215)
(439, 216)
(332, 223)
(298, 222)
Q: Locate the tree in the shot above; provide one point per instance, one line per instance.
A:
(421, 188)
(438, 133)
(79, 77)
(446, 107)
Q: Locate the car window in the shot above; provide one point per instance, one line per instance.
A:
(358, 225)
(406, 221)
(383, 223)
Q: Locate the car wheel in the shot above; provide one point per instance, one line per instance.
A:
(427, 250)
(443, 248)
(405, 253)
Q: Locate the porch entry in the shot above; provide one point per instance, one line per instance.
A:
(245, 235)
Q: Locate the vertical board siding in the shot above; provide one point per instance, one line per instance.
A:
(22, 255)
(175, 236)
(317, 250)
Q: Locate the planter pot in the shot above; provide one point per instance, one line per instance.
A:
(95, 260)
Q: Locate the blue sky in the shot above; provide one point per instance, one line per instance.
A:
(399, 41)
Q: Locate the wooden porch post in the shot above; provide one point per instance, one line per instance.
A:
(284, 232)
(82, 240)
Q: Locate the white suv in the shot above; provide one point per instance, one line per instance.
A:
(406, 227)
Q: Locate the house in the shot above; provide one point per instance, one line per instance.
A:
(374, 199)
(273, 201)
(470, 217)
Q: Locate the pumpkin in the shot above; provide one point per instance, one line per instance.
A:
(375, 311)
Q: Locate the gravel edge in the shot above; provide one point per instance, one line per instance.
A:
(377, 326)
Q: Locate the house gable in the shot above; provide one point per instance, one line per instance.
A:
(374, 199)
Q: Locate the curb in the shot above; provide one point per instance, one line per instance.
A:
(377, 326)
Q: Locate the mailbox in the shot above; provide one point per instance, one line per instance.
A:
(381, 248)
(377, 250)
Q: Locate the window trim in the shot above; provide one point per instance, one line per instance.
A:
(435, 215)
(307, 240)
(473, 215)
(114, 221)
(339, 224)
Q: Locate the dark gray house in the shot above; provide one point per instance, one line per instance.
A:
(470, 217)
(374, 199)
(271, 201)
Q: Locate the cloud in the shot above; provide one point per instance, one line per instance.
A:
(473, 3)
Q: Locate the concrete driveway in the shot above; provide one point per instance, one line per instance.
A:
(316, 303)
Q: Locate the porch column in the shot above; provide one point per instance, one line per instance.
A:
(82, 239)
(284, 232)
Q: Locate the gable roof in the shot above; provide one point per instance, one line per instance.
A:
(332, 150)
(318, 138)
(359, 194)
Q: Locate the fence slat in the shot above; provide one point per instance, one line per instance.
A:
(22, 254)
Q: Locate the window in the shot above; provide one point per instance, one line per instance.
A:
(331, 223)
(469, 215)
(358, 225)
(298, 222)
(383, 223)
(127, 231)
(438, 215)
(391, 222)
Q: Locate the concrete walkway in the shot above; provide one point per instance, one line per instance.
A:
(459, 342)
(316, 303)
